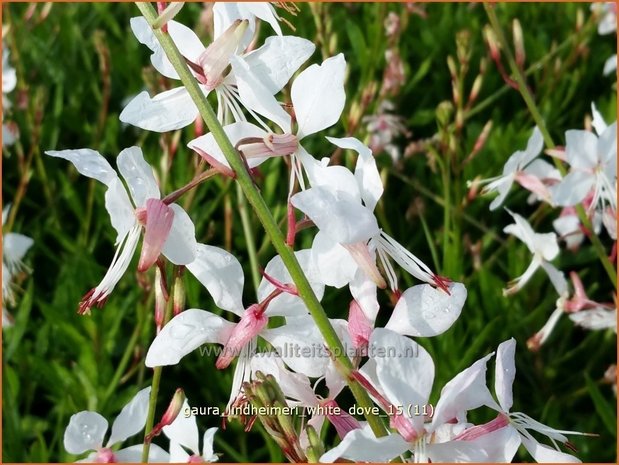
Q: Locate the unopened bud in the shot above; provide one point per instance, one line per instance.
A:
(451, 64)
(167, 14)
(179, 295)
(492, 42)
(161, 298)
(174, 408)
(518, 43)
(443, 113)
(475, 88)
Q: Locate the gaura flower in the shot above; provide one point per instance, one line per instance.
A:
(167, 228)
(87, 429)
(183, 434)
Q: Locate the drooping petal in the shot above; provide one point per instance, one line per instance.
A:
(557, 278)
(404, 369)
(159, 218)
(466, 391)
(122, 212)
(181, 246)
(278, 59)
(287, 304)
(87, 162)
(184, 429)
(184, 333)
(318, 95)
(545, 454)
(361, 445)
(170, 110)
(138, 174)
(425, 311)
(222, 275)
(366, 172)
(505, 373)
(84, 432)
(300, 345)
(131, 419)
(337, 214)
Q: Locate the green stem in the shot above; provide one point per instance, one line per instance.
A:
(541, 124)
(263, 213)
(249, 238)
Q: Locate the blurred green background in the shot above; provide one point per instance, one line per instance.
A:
(77, 64)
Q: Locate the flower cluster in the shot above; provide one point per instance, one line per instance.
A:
(349, 250)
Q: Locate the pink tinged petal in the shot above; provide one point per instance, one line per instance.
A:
(184, 333)
(252, 323)
(159, 218)
(120, 263)
(542, 453)
(170, 110)
(505, 373)
(88, 163)
(84, 432)
(295, 386)
(360, 445)
(465, 391)
(139, 176)
(404, 369)
(235, 132)
(581, 149)
(222, 275)
(533, 184)
(573, 189)
(287, 304)
(359, 326)
(363, 291)
(360, 252)
(271, 145)
(133, 454)
(478, 431)
(337, 214)
(278, 59)
(181, 246)
(340, 419)
(300, 345)
(184, 430)
(334, 263)
(318, 95)
(216, 58)
(131, 419)
(425, 311)
(255, 96)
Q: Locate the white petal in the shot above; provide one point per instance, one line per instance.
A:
(581, 149)
(334, 263)
(557, 278)
(505, 373)
(598, 122)
(572, 189)
(181, 247)
(404, 369)
(522, 230)
(363, 290)
(535, 144)
(596, 318)
(133, 454)
(177, 453)
(287, 304)
(545, 454)
(14, 247)
(278, 59)
(318, 95)
(88, 163)
(466, 391)
(265, 12)
(208, 454)
(610, 65)
(222, 275)
(131, 419)
(138, 174)
(85, 432)
(235, 132)
(300, 345)
(361, 445)
(337, 214)
(184, 429)
(425, 311)
(120, 208)
(184, 333)
(498, 446)
(255, 96)
(335, 178)
(167, 111)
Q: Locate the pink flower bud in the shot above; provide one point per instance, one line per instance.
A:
(159, 218)
(252, 322)
(343, 422)
(271, 145)
(359, 327)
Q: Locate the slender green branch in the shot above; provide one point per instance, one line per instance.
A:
(541, 124)
(266, 218)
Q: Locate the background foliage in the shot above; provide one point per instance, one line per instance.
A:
(78, 63)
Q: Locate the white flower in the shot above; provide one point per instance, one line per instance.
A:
(87, 429)
(168, 229)
(183, 432)
(14, 247)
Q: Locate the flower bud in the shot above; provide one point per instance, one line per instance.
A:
(359, 327)
(252, 322)
(518, 43)
(174, 408)
(179, 295)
